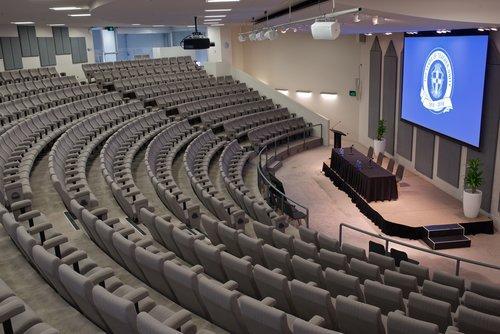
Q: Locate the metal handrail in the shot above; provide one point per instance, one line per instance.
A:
(458, 259)
(269, 183)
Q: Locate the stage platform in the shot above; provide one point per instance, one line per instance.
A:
(419, 204)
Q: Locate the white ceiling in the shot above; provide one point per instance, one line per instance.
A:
(401, 15)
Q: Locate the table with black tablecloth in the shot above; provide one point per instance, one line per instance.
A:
(372, 182)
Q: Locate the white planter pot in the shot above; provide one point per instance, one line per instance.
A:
(472, 203)
(378, 147)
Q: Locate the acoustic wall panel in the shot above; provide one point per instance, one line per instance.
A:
(78, 50)
(489, 132)
(61, 40)
(47, 51)
(12, 58)
(389, 95)
(424, 154)
(374, 90)
(449, 159)
(405, 131)
(29, 43)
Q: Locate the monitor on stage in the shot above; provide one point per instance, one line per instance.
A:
(443, 84)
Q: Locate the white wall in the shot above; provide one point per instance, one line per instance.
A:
(64, 62)
(297, 62)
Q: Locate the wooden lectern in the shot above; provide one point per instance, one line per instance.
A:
(337, 138)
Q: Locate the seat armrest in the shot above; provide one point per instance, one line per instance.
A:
(101, 275)
(74, 257)
(197, 269)
(136, 295)
(230, 285)
(11, 309)
(55, 241)
(178, 319)
(269, 301)
(317, 320)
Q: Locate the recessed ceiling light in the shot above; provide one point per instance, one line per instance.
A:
(494, 29)
(136, 24)
(218, 10)
(329, 96)
(66, 8)
(214, 16)
(158, 25)
(282, 91)
(214, 1)
(79, 15)
(56, 24)
(388, 33)
(480, 29)
(190, 26)
(368, 34)
(375, 20)
(25, 22)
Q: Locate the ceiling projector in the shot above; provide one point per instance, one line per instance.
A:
(196, 41)
(325, 30)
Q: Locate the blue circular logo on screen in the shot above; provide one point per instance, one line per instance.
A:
(437, 82)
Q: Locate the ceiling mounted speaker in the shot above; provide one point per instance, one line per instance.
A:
(325, 30)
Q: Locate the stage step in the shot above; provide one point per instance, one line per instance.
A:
(446, 236)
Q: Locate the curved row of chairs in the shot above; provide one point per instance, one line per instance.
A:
(196, 161)
(127, 85)
(17, 317)
(117, 155)
(147, 93)
(238, 127)
(160, 155)
(231, 164)
(22, 143)
(278, 131)
(18, 90)
(32, 74)
(109, 76)
(15, 110)
(174, 99)
(69, 155)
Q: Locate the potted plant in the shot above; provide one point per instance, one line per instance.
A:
(472, 195)
(379, 143)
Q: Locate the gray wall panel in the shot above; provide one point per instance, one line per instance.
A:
(83, 49)
(449, 158)
(405, 131)
(11, 53)
(424, 152)
(489, 134)
(61, 40)
(389, 95)
(29, 45)
(1, 51)
(78, 50)
(374, 90)
(47, 51)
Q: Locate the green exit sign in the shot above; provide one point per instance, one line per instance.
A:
(352, 93)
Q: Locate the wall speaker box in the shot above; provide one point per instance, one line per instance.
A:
(325, 30)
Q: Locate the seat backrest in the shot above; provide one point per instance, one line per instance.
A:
(391, 164)
(400, 172)
(210, 259)
(229, 237)
(151, 265)
(265, 232)
(278, 258)
(252, 247)
(430, 310)
(380, 158)
(260, 318)
(185, 243)
(210, 226)
(406, 283)
(364, 270)
(308, 271)
(240, 271)
(398, 323)
(482, 304)
(329, 243)
(485, 289)
(382, 261)
(118, 313)
(420, 272)
(354, 317)
(450, 280)
(146, 324)
(274, 285)
(308, 235)
(370, 152)
(342, 284)
(310, 301)
(385, 297)
(222, 304)
(471, 321)
(442, 292)
(334, 260)
(353, 252)
(283, 240)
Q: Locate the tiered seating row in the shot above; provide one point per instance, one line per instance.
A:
(238, 127)
(69, 155)
(135, 63)
(18, 90)
(13, 111)
(160, 155)
(197, 159)
(278, 131)
(117, 156)
(32, 74)
(127, 85)
(17, 317)
(22, 143)
(231, 164)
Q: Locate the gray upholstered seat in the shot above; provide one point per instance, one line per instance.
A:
(353, 252)
(420, 272)
(398, 323)
(382, 261)
(385, 297)
(342, 284)
(303, 327)
(240, 270)
(442, 292)
(450, 280)
(272, 284)
(406, 283)
(210, 259)
(278, 258)
(308, 271)
(482, 304)
(475, 322)
(485, 289)
(430, 310)
(364, 270)
(334, 260)
(354, 317)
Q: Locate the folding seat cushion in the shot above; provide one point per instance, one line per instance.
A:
(450, 280)
(430, 310)
(353, 252)
(278, 258)
(308, 271)
(259, 317)
(272, 284)
(442, 292)
(354, 317)
(229, 237)
(364, 270)
(420, 272)
(385, 297)
(210, 259)
(222, 304)
(184, 284)
(471, 321)
(382, 261)
(146, 324)
(305, 250)
(329, 259)
(240, 271)
(264, 232)
(482, 304)
(252, 247)
(310, 301)
(406, 283)
(485, 289)
(398, 323)
(120, 312)
(342, 284)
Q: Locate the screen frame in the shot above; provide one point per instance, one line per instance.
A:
(454, 33)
